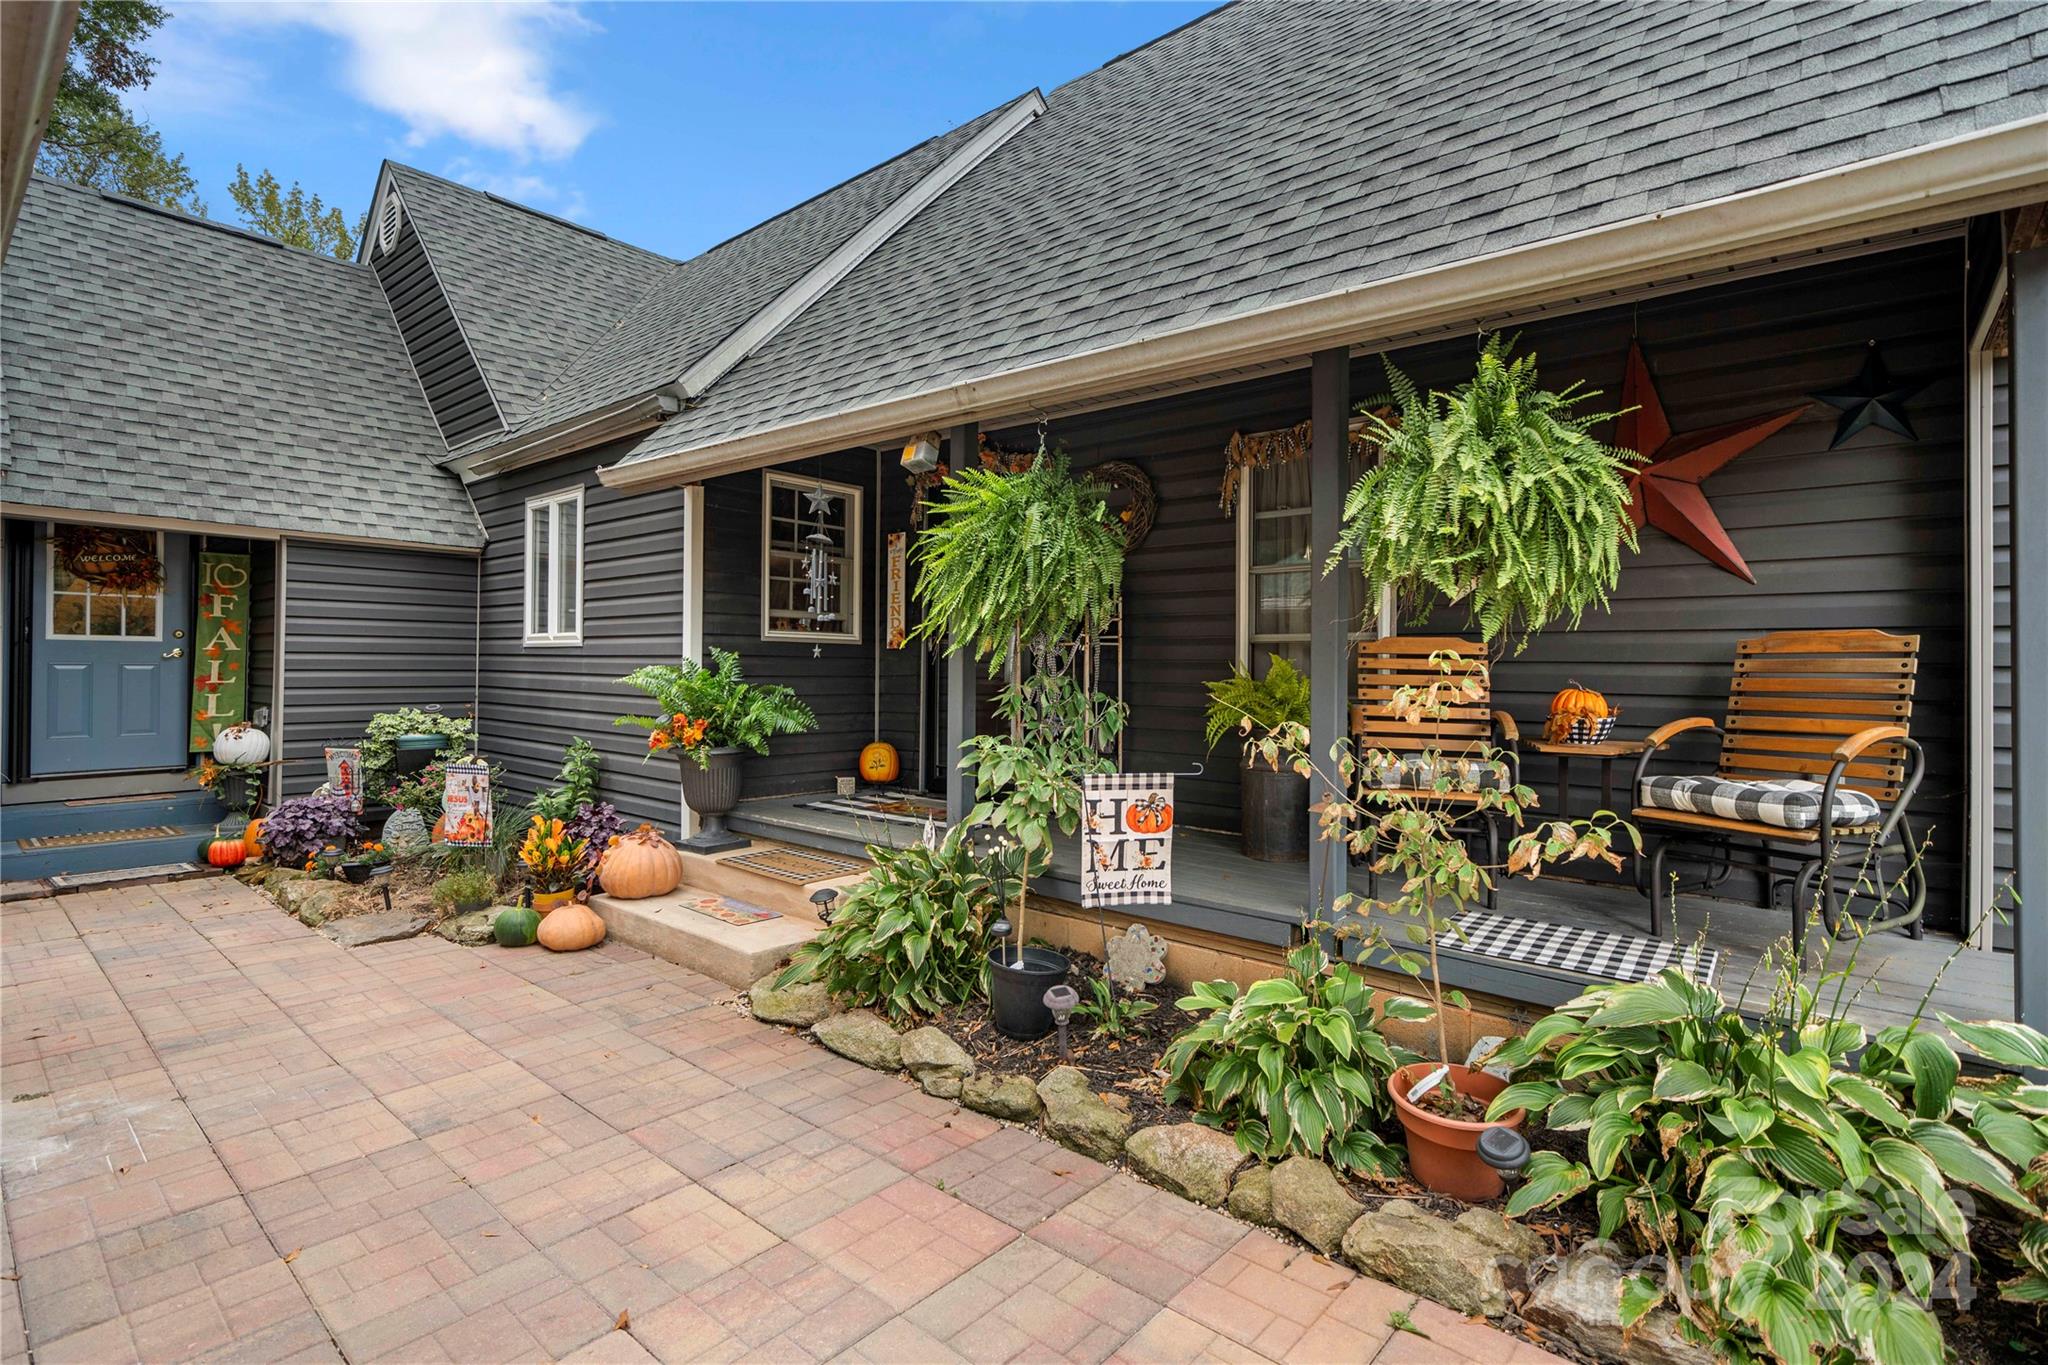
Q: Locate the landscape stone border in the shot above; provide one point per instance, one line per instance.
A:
(1479, 1263)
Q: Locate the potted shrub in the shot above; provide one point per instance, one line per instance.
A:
(1272, 798)
(553, 859)
(711, 718)
(1010, 566)
(465, 890)
(402, 742)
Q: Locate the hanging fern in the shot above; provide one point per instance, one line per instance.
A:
(1029, 556)
(1495, 496)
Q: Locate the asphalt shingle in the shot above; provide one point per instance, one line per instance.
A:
(158, 365)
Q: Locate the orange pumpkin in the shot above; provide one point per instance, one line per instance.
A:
(252, 838)
(227, 853)
(1579, 701)
(573, 927)
(1153, 815)
(879, 763)
(639, 865)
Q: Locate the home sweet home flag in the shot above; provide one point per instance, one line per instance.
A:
(1126, 839)
(220, 647)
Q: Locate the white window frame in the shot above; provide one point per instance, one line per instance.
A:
(852, 597)
(554, 636)
(50, 597)
(1247, 519)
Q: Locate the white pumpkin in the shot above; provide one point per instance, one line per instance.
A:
(241, 744)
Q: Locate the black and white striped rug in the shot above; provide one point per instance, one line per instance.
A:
(1598, 953)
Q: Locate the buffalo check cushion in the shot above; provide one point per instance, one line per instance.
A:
(1598, 953)
(1790, 804)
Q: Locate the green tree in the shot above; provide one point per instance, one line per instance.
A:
(294, 217)
(93, 139)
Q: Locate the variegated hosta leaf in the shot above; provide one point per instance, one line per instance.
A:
(1549, 1179)
(1733, 1184)
(1891, 1330)
(2008, 1044)
(1870, 1099)
(1611, 1131)
(1963, 1161)
(1681, 1081)
(1639, 1294)
(1932, 1065)
(1913, 1169)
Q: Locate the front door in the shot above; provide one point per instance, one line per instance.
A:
(110, 683)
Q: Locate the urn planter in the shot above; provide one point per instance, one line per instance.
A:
(712, 789)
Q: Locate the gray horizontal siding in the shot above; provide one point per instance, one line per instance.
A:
(533, 700)
(441, 357)
(369, 630)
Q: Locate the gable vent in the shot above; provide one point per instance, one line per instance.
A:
(388, 215)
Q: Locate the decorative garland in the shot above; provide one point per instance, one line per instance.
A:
(1265, 449)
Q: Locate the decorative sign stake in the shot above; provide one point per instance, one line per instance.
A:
(466, 805)
(898, 620)
(1126, 839)
(220, 647)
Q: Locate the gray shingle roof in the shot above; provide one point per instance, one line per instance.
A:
(532, 292)
(1274, 151)
(160, 366)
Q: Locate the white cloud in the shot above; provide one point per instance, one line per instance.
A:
(564, 201)
(477, 72)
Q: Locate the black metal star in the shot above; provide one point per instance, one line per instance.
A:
(1873, 398)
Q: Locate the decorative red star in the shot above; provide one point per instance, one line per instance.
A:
(1666, 490)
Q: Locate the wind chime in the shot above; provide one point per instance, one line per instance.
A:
(821, 579)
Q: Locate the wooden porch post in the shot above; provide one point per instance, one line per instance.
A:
(962, 443)
(1329, 629)
(2029, 537)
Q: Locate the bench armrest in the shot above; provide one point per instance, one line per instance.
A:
(1855, 744)
(1664, 734)
(1505, 724)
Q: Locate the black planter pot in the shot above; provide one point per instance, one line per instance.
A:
(712, 790)
(356, 873)
(1016, 994)
(1275, 813)
(410, 753)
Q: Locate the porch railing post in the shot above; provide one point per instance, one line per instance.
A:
(1329, 863)
(962, 444)
(2029, 540)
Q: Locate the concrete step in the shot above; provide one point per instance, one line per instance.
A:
(179, 846)
(721, 874)
(669, 928)
(40, 819)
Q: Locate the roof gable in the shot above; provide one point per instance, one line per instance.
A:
(163, 366)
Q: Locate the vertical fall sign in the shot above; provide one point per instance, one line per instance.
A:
(220, 647)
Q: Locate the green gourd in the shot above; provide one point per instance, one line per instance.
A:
(516, 926)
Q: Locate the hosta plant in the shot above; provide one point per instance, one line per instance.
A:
(910, 939)
(1752, 1159)
(1294, 1063)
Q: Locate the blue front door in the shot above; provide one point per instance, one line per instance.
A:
(110, 686)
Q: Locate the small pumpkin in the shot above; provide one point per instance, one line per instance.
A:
(1153, 815)
(1575, 702)
(237, 744)
(573, 927)
(516, 926)
(879, 762)
(226, 852)
(252, 838)
(638, 865)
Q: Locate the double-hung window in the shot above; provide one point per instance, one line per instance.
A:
(1273, 554)
(795, 510)
(554, 568)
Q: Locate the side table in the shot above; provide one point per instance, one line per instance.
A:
(1607, 750)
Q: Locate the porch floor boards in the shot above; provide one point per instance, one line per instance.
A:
(1217, 886)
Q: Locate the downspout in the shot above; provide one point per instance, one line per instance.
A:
(879, 623)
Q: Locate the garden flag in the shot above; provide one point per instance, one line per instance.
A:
(1126, 839)
(345, 775)
(466, 805)
(220, 647)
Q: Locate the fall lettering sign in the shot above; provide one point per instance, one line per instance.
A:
(220, 647)
(1126, 839)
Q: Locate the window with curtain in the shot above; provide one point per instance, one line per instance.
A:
(1274, 595)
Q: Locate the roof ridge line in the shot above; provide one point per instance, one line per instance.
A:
(519, 207)
(177, 215)
(792, 302)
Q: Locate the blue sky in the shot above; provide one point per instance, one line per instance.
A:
(671, 126)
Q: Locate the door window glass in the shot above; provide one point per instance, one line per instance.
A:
(80, 608)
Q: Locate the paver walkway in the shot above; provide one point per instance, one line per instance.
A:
(228, 1138)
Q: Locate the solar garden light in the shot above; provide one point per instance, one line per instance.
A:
(821, 901)
(1061, 1000)
(1506, 1150)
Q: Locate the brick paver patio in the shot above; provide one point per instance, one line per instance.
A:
(228, 1138)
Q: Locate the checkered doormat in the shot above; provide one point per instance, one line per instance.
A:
(1589, 952)
(795, 865)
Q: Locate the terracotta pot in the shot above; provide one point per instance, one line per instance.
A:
(1443, 1152)
(544, 901)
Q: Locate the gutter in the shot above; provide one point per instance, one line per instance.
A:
(1937, 183)
(626, 417)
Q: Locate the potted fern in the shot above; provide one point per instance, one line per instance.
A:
(711, 719)
(1272, 797)
(1011, 566)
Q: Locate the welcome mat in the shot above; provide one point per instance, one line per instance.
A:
(896, 807)
(1588, 952)
(102, 836)
(796, 865)
(729, 911)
